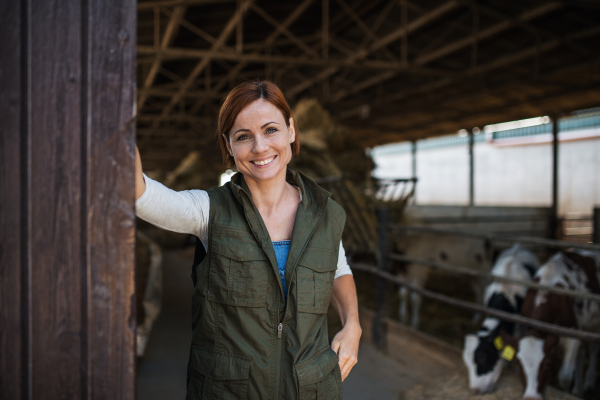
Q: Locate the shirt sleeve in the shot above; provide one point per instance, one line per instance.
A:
(186, 211)
(342, 267)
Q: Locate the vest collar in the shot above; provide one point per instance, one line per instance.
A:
(314, 197)
(309, 214)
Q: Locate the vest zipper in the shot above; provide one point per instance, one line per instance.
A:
(278, 356)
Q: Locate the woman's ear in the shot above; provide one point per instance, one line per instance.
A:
(292, 131)
(227, 144)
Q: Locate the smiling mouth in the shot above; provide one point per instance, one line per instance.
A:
(264, 162)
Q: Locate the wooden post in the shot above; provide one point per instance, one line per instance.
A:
(67, 135)
(471, 171)
(379, 328)
(414, 168)
(554, 223)
(596, 238)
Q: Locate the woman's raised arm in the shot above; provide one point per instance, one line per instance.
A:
(140, 183)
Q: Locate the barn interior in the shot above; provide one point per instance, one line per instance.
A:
(358, 74)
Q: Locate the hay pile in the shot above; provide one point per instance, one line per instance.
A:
(326, 148)
(457, 388)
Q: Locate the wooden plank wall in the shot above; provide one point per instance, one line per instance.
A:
(67, 307)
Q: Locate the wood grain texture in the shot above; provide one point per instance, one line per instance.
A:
(11, 343)
(67, 328)
(56, 188)
(110, 215)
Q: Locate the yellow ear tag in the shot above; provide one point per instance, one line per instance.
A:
(508, 353)
(499, 343)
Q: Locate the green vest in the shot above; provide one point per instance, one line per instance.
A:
(248, 343)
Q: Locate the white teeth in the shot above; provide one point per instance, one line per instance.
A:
(265, 162)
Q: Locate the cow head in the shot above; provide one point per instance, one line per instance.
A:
(533, 355)
(483, 362)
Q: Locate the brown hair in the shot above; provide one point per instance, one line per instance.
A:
(241, 96)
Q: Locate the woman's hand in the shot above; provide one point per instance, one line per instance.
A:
(140, 183)
(345, 343)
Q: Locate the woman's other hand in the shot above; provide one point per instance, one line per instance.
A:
(140, 183)
(345, 343)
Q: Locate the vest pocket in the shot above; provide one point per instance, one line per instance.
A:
(238, 272)
(218, 376)
(314, 280)
(319, 377)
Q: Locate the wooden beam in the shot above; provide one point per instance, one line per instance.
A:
(325, 31)
(228, 29)
(179, 118)
(414, 25)
(535, 30)
(514, 110)
(184, 53)
(191, 27)
(157, 92)
(453, 47)
(481, 69)
(149, 5)
(266, 44)
(239, 31)
(169, 35)
(284, 30)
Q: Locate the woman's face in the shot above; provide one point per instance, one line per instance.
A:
(260, 141)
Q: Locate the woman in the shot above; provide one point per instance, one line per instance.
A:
(273, 247)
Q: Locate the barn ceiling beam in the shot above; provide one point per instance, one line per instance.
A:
(170, 32)
(191, 27)
(149, 5)
(337, 23)
(370, 33)
(386, 40)
(541, 102)
(189, 81)
(184, 53)
(477, 70)
(149, 118)
(284, 30)
(535, 30)
(451, 48)
(191, 94)
(266, 44)
(450, 104)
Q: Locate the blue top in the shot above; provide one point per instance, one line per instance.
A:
(282, 248)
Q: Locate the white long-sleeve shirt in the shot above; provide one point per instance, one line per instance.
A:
(187, 212)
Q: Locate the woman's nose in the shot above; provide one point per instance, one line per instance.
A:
(260, 145)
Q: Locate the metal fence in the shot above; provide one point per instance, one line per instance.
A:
(385, 234)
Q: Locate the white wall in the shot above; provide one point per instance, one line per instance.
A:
(504, 176)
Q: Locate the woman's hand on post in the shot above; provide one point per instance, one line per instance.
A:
(140, 183)
(345, 344)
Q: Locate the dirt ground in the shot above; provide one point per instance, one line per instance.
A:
(457, 388)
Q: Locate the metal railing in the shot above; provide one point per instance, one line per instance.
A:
(384, 229)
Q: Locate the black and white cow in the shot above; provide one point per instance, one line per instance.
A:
(481, 353)
(578, 271)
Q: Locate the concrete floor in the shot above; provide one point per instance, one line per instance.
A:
(162, 370)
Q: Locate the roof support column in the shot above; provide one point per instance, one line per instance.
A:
(596, 232)
(414, 168)
(554, 228)
(471, 171)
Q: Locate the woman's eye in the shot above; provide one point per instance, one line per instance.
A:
(271, 130)
(242, 137)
